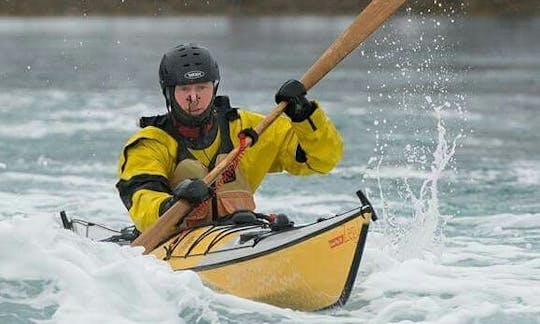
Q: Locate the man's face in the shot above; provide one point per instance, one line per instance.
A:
(194, 98)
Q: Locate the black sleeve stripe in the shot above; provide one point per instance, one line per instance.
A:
(127, 188)
(312, 124)
(125, 153)
(300, 154)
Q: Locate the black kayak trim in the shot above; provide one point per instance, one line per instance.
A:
(353, 272)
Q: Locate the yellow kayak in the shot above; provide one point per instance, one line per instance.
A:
(308, 267)
(303, 267)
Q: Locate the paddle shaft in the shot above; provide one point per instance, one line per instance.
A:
(364, 24)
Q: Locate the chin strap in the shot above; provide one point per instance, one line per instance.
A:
(168, 104)
(183, 118)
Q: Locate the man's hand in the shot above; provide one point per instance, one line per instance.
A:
(194, 191)
(298, 107)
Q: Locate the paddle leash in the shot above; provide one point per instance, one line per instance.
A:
(201, 209)
(373, 15)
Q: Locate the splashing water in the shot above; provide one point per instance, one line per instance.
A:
(426, 228)
(422, 234)
(428, 91)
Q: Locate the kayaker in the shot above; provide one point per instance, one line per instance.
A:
(167, 158)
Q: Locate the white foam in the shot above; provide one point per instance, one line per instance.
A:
(94, 112)
(386, 172)
(68, 180)
(527, 172)
(454, 289)
(94, 282)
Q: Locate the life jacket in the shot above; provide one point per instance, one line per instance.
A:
(235, 193)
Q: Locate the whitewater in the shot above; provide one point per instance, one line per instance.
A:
(439, 120)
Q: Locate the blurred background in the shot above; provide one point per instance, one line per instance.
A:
(171, 7)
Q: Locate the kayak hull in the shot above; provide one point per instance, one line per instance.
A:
(309, 267)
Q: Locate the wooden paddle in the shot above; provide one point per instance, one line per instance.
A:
(366, 23)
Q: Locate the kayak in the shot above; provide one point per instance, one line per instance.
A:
(303, 267)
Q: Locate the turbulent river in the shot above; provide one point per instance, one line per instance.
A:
(439, 116)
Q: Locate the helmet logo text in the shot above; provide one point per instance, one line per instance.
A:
(192, 75)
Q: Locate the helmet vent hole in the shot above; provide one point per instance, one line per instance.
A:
(196, 53)
(183, 55)
(186, 65)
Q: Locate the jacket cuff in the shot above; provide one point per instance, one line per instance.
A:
(314, 122)
(166, 204)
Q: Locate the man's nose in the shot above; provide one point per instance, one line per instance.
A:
(192, 96)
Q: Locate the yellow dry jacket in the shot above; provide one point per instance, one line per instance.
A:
(150, 157)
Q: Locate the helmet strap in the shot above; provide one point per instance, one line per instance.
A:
(167, 93)
(216, 85)
(183, 118)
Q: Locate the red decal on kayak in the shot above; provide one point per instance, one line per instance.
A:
(338, 240)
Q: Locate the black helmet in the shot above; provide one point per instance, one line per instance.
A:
(184, 64)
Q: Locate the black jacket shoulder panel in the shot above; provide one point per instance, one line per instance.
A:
(158, 121)
(225, 115)
(223, 106)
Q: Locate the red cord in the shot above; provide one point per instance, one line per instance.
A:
(200, 210)
(229, 170)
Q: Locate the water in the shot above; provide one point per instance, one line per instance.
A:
(439, 118)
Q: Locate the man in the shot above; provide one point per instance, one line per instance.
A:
(165, 160)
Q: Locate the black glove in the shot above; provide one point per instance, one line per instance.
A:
(194, 191)
(298, 107)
